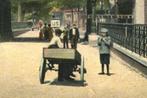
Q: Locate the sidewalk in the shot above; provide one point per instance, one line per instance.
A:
(19, 75)
(124, 82)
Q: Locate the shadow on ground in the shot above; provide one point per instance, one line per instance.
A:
(134, 65)
(75, 83)
(106, 74)
(28, 39)
(17, 33)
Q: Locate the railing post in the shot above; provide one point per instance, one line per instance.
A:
(146, 41)
(135, 35)
(139, 41)
(125, 36)
(144, 38)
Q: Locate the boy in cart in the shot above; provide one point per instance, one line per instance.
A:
(64, 72)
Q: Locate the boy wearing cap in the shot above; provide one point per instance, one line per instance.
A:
(104, 42)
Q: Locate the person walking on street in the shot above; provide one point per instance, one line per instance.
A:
(74, 36)
(41, 32)
(46, 31)
(104, 43)
(50, 31)
(65, 38)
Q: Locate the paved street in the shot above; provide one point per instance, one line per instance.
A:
(19, 74)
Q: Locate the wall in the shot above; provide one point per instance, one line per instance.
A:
(139, 13)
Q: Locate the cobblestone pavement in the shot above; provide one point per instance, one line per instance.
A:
(19, 75)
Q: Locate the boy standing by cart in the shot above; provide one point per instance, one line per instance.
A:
(104, 43)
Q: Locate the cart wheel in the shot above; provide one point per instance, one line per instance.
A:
(82, 69)
(42, 70)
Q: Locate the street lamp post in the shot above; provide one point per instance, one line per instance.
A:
(116, 10)
(94, 16)
(89, 19)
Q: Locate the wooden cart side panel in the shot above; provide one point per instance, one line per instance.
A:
(78, 57)
(59, 55)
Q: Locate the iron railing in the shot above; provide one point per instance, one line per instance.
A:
(21, 25)
(130, 36)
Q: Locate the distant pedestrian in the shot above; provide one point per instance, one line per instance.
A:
(104, 43)
(40, 24)
(74, 36)
(65, 37)
(41, 33)
(46, 31)
(50, 31)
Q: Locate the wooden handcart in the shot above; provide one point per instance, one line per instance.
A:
(59, 56)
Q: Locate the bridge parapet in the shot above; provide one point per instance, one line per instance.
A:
(21, 25)
(112, 18)
(129, 36)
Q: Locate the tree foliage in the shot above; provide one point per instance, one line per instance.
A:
(126, 6)
(102, 5)
(42, 7)
(71, 3)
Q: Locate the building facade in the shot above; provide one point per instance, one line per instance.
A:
(75, 16)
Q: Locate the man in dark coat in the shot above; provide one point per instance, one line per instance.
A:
(46, 31)
(50, 31)
(74, 36)
(65, 37)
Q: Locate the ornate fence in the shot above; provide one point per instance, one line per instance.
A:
(130, 36)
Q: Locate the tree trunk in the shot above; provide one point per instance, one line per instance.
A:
(5, 20)
(78, 17)
(1, 18)
(19, 12)
(72, 17)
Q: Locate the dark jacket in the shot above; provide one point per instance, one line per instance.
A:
(72, 36)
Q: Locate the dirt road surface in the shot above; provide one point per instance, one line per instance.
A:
(19, 74)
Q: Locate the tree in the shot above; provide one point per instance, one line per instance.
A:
(103, 6)
(5, 20)
(69, 4)
(29, 6)
(125, 6)
(42, 7)
(19, 8)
